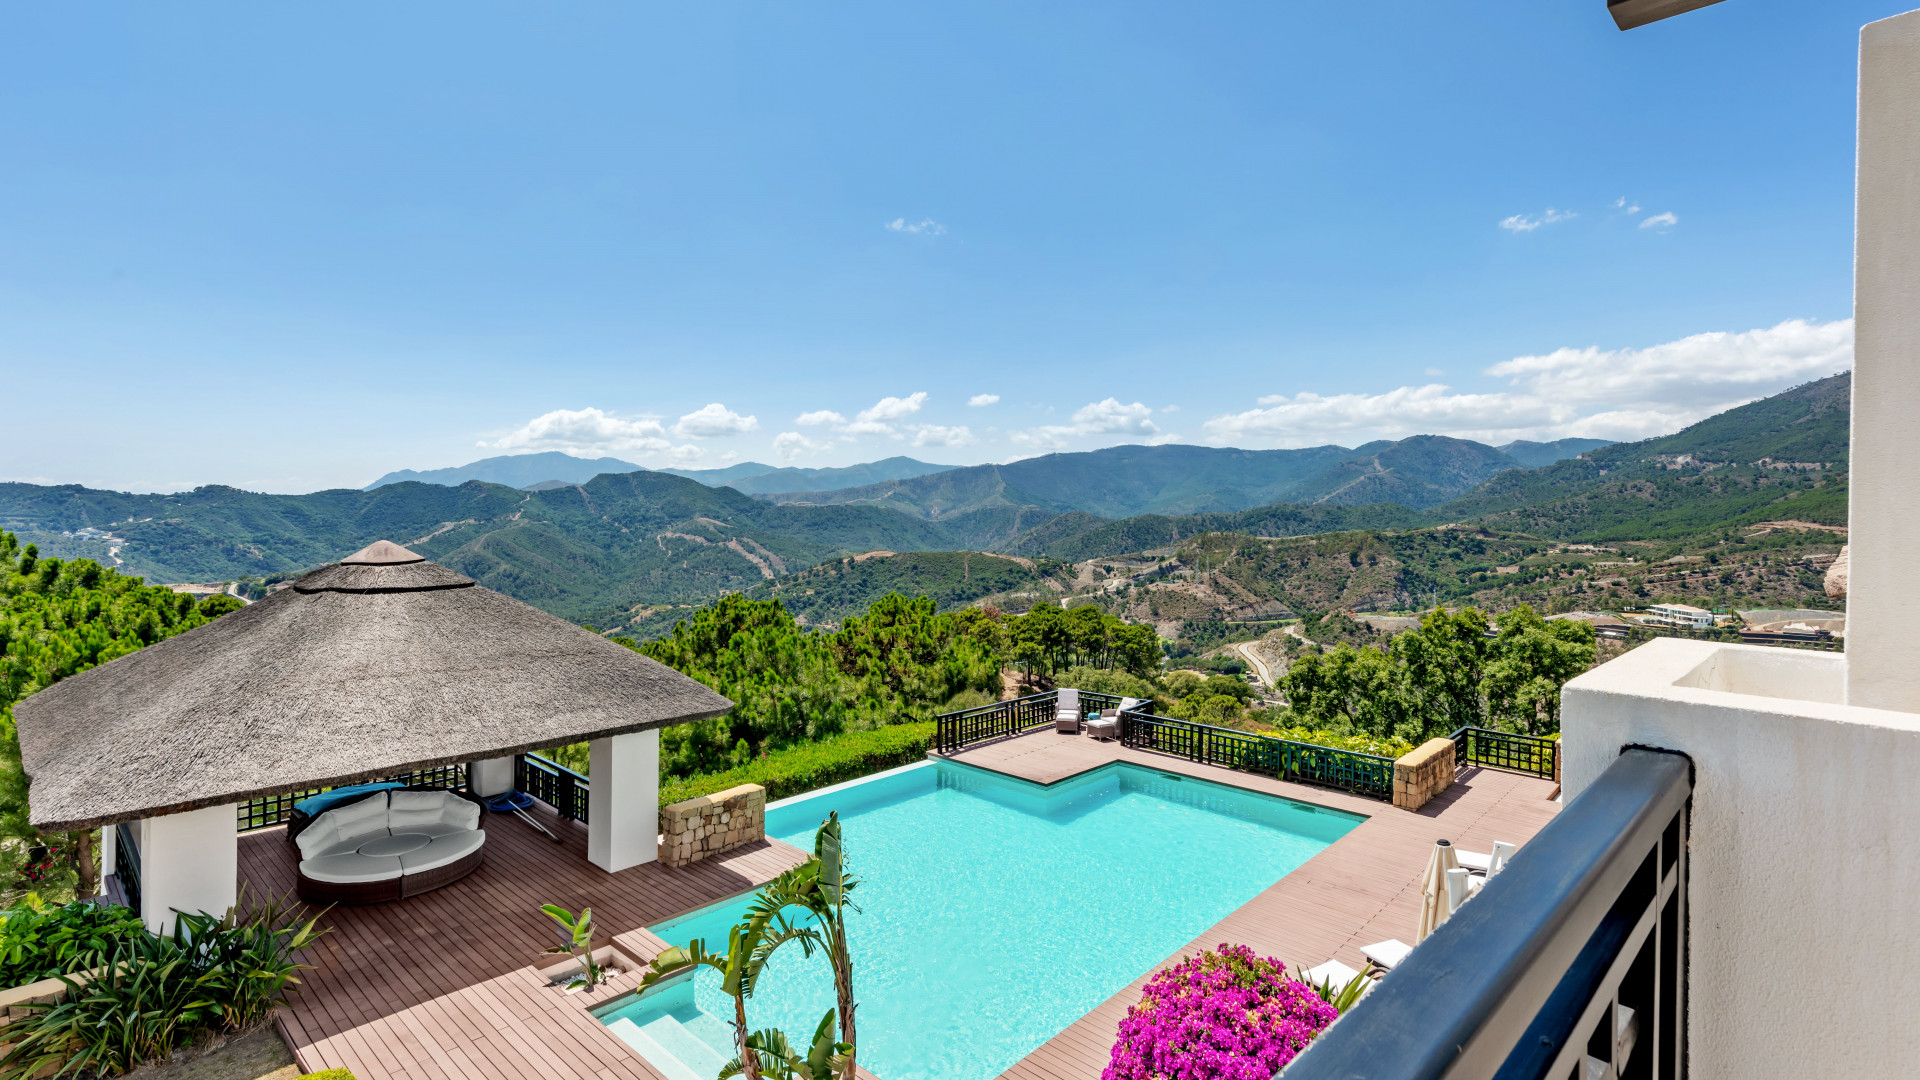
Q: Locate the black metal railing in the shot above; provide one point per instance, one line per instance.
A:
(1364, 774)
(552, 783)
(1003, 718)
(968, 726)
(1534, 755)
(269, 810)
(126, 865)
(1569, 963)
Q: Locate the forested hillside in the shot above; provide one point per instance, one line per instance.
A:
(637, 549)
(57, 619)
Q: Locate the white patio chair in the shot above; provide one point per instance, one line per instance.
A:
(1066, 717)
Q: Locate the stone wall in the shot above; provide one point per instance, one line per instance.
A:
(706, 826)
(1425, 772)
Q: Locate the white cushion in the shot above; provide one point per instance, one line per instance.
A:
(1479, 862)
(320, 834)
(442, 850)
(411, 809)
(1387, 953)
(1332, 972)
(363, 818)
(435, 828)
(349, 868)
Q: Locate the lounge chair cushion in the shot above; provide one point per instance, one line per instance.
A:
(351, 867)
(1387, 953)
(441, 850)
(328, 831)
(1334, 972)
(410, 809)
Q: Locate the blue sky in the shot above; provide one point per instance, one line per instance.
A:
(292, 247)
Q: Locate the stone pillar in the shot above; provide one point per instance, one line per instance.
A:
(1883, 590)
(711, 824)
(189, 862)
(1423, 773)
(623, 800)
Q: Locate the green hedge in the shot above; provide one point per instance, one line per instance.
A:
(799, 769)
(1359, 744)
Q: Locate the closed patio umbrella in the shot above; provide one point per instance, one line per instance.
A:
(1433, 888)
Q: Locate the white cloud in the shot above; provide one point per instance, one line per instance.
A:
(713, 420)
(1435, 372)
(981, 401)
(1621, 204)
(1169, 408)
(935, 435)
(880, 419)
(791, 445)
(822, 416)
(592, 433)
(1599, 393)
(1665, 220)
(1108, 417)
(926, 226)
(1527, 223)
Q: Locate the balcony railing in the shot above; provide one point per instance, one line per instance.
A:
(552, 783)
(1002, 718)
(269, 810)
(1530, 754)
(1568, 965)
(1364, 774)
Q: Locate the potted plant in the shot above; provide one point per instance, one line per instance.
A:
(576, 935)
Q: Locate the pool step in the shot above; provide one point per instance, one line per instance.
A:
(674, 1048)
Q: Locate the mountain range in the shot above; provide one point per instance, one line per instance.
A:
(555, 469)
(607, 547)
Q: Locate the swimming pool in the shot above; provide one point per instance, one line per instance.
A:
(993, 912)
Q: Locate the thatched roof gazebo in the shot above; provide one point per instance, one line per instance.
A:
(381, 664)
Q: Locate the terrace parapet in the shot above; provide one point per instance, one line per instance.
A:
(1423, 773)
(700, 828)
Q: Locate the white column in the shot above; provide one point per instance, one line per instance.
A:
(189, 862)
(1883, 588)
(623, 800)
(109, 850)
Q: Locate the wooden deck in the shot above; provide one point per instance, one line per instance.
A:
(1363, 888)
(442, 986)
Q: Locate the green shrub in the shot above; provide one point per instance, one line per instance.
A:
(803, 768)
(1362, 743)
(328, 1074)
(156, 993)
(39, 940)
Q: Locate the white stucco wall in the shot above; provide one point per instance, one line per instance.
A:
(1883, 637)
(623, 800)
(188, 862)
(1804, 929)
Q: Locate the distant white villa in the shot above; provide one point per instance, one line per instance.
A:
(1682, 615)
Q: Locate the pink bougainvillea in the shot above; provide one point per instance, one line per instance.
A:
(1222, 1015)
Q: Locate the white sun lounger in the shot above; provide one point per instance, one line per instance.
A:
(1387, 953)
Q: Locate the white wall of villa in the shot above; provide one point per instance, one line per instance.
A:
(1883, 637)
(623, 801)
(188, 862)
(1804, 930)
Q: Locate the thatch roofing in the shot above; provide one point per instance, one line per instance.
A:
(379, 664)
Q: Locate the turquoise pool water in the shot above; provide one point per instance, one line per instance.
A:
(994, 912)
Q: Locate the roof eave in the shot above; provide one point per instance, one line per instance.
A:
(1628, 14)
(364, 775)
